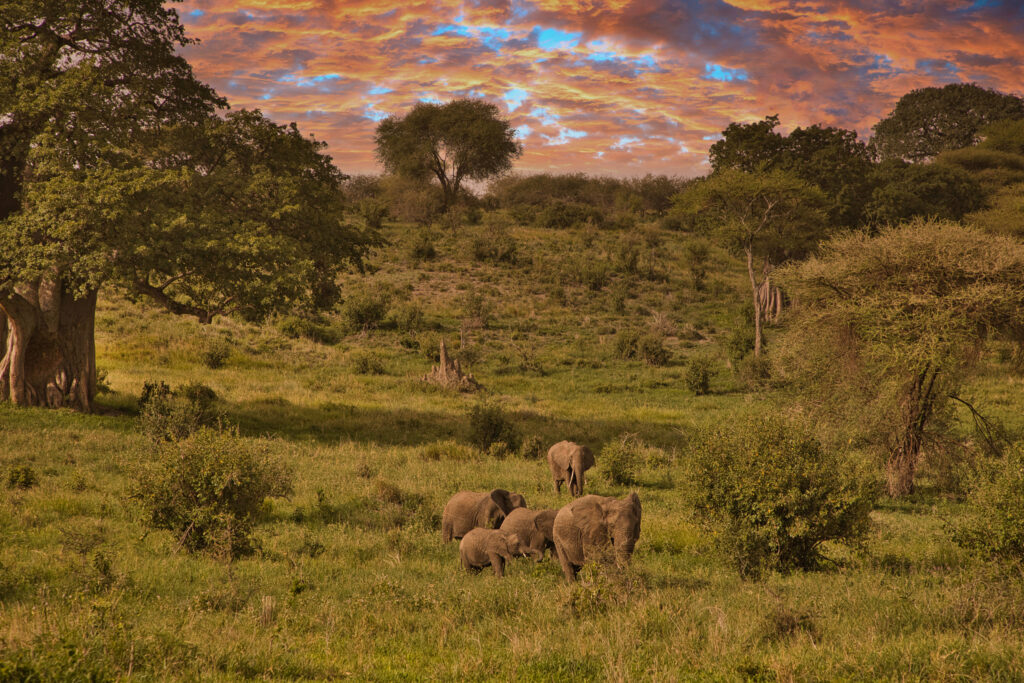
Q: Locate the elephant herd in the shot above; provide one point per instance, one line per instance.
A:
(496, 526)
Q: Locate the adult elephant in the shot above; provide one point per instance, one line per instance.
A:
(535, 529)
(595, 527)
(568, 462)
(470, 509)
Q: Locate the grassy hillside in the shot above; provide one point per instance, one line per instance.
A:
(352, 580)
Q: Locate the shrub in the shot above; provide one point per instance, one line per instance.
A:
(374, 212)
(558, 214)
(698, 375)
(589, 272)
(216, 353)
(650, 350)
(697, 253)
(497, 246)
(166, 415)
(488, 424)
(994, 524)
(772, 494)
(366, 364)
(21, 477)
(207, 490)
(422, 248)
(625, 344)
(477, 308)
(366, 308)
(532, 448)
(314, 330)
(739, 343)
(407, 317)
(620, 460)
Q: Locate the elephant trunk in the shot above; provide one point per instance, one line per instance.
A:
(576, 476)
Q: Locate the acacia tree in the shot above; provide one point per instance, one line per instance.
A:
(767, 217)
(928, 121)
(128, 179)
(463, 139)
(887, 328)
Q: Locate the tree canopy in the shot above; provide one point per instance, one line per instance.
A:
(462, 139)
(928, 121)
(887, 327)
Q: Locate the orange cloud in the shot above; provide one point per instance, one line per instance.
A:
(619, 87)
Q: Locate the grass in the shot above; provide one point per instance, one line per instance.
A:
(352, 580)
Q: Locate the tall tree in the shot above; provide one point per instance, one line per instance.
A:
(767, 217)
(928, 121)
(128, 178)
(888, 326)
(463, 139)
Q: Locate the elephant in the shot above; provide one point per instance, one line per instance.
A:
(588, 527)
(568, 462)
(480, 548)
(535, 529)
(468, 509)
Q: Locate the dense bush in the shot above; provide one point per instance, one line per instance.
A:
(620, 460)
(772, 494)
(994, 524)
(207, 489)
(366, 364)
(488, 424)
(698, 375)
(295, 327)
(366, 307)
(625, 344)
(560, 214)
(216, 353)
(407, 317)
(496, 246)
(21, 477)
(170, 415)
(422, 247)
(650, 349)
(373, 211)
(532, 448)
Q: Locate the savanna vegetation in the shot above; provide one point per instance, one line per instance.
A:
(219, 456)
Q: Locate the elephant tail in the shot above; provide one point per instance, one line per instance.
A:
(446, 530)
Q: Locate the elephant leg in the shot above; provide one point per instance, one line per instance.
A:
(567, 568)
(558, 485)
(498, 563)
(446, 530)
(465, 563)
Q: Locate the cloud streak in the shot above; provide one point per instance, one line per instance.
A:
(577, 78)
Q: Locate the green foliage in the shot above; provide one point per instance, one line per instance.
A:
(928, 121)
(422, 248)
(903, 191)
(1004, 215)
(462, 139)
(488, 425)
(166, 415)
(216, 353)
(697, 255)
(1006, 136)
(366, 307)
(21, 477)
(207, 490)
(772, 495)
(407, 317)
(559, 214)
(412, 201)
(301, 327)
(374, 212)
(698, 375)
(651, 350)
(620, 460)
(626, 343)
(367, 364)
(532, 448)
(994, 525)
(497, 246)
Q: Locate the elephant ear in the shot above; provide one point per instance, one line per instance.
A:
(544, 522)
(503, 499)
(485, 509)
(590, 517)
(634, 501)
(587, 457)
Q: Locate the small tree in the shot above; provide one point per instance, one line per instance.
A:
(767, 217)
(889, 326)
(452, 142)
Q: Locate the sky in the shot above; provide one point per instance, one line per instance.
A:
(612, 87)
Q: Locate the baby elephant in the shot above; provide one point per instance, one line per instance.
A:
(535, 529)
(568, 461)
(480, 548)
(468, 509)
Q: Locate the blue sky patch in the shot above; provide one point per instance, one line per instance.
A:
(717, 72)
(515, 97)
(553, 39)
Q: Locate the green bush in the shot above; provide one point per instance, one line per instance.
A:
(625, 344)
(166, 415)
(650, 350)
(366, 308)
(365, 364)
(374, 212)
(21, 477)
(496, 246)
(739, 343)
(620, 460)
(208, 488)
(488, 425)
(532, 448)
(216, 353)
(407, 317)
(296, 327)
(422, 248)
(772, 494)
(558, 214)
(994, 524)
(698, 375)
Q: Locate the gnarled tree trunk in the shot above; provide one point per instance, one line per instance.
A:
(918, 408)
(49, 351)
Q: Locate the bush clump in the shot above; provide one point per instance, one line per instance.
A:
(488, 424)
(698, 375)
(21, 477)
(497, 246)
(772, 495)
(170, 415)
(366, 308)
(295, 327)
(620, 460)
(216, 353)
(208, 488)
(650, 350)
(532, 448)
(994, 524)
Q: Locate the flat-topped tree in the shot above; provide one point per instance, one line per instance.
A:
(128, 179)
(463, 139)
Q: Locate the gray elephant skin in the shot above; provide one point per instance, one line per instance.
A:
(470, 509)
(481, 548)
(535, 529)
(593, 528)
(568, 462)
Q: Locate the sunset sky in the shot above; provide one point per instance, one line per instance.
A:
(620, 87)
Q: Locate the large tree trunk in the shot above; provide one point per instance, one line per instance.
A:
(50, 351)
(917, 409)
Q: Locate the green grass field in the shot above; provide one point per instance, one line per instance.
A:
(352, 580)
